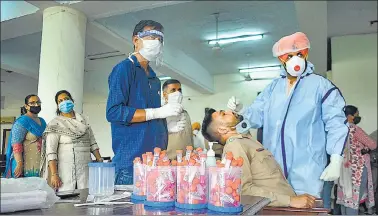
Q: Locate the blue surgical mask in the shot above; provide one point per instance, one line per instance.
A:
(66, 106)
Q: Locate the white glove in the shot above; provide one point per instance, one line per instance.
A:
(176, 124)
(164, 111)
(234, 105)
(332, 171)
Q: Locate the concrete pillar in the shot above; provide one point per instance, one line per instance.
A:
(62, 58)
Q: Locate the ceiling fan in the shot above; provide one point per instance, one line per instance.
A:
(217, 46)
(247, 77)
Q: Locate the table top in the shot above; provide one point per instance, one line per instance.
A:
(251, 205)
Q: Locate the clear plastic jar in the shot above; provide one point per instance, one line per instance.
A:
(225, 189)
(139, 182)
(101, 179)
(192, 187)
(161, 186)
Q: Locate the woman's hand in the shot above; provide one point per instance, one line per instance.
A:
(56, 182)
(19, 169)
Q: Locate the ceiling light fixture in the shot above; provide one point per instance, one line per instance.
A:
(236, 39)
(262, 73)
(260, 69)
(162, 78)
(67, 2)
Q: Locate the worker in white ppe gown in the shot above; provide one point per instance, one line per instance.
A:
(302, 118)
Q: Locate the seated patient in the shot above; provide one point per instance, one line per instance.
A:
(262, 175)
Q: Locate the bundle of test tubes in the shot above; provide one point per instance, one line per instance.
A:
(139, 189)
(225, 184)
(192, 179)
(161, 180)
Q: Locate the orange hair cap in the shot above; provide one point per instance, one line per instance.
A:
(291, 43)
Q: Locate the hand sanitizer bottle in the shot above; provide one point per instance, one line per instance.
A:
(210, 160)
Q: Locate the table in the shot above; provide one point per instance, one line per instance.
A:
(293, 211)
(318, 210)
(252, 205)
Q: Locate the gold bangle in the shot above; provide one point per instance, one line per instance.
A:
(19, 161)
(55, 174)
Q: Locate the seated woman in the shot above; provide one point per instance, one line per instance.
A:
(359, 185)
(24, 145)
(262, 175)
(68, 144)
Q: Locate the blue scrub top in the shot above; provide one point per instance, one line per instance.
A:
(130, 88)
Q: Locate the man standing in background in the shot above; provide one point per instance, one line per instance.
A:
(198, 140)
(134, 103)
(179, 127)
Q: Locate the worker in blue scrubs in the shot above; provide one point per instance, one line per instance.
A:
(302, 116)
(134, 102)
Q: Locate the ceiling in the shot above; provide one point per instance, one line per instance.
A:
(188, 26)
(190, 31)
(351, 17)
(15, 87)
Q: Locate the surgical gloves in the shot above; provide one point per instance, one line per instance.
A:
(332, 171)
(234, 105)
(176, 124)
(165, 111)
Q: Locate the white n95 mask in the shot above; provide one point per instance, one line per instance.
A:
(151, 49)
(175, 97)
(295, 66)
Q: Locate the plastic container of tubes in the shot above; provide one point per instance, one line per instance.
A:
(225, 186)
(192, 181)
(139, 180)
(161, 180)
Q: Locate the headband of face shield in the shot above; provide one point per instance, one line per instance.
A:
(152, 49)
(153, 34)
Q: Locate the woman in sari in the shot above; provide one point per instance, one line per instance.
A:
(23, 153)
(355, 183)
(68, 144)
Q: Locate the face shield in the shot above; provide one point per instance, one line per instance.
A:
(152, 47)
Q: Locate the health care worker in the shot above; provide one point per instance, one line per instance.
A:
(302, 116)
(134, 108)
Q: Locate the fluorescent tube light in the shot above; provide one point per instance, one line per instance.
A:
(259, 69)
(236, 39)
(164, 78)
(67, 2)
(264, 75)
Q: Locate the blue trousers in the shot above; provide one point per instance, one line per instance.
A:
(326, 194)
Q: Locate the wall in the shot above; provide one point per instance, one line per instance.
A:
(7, 112)
(96, 116)
(354, 71)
